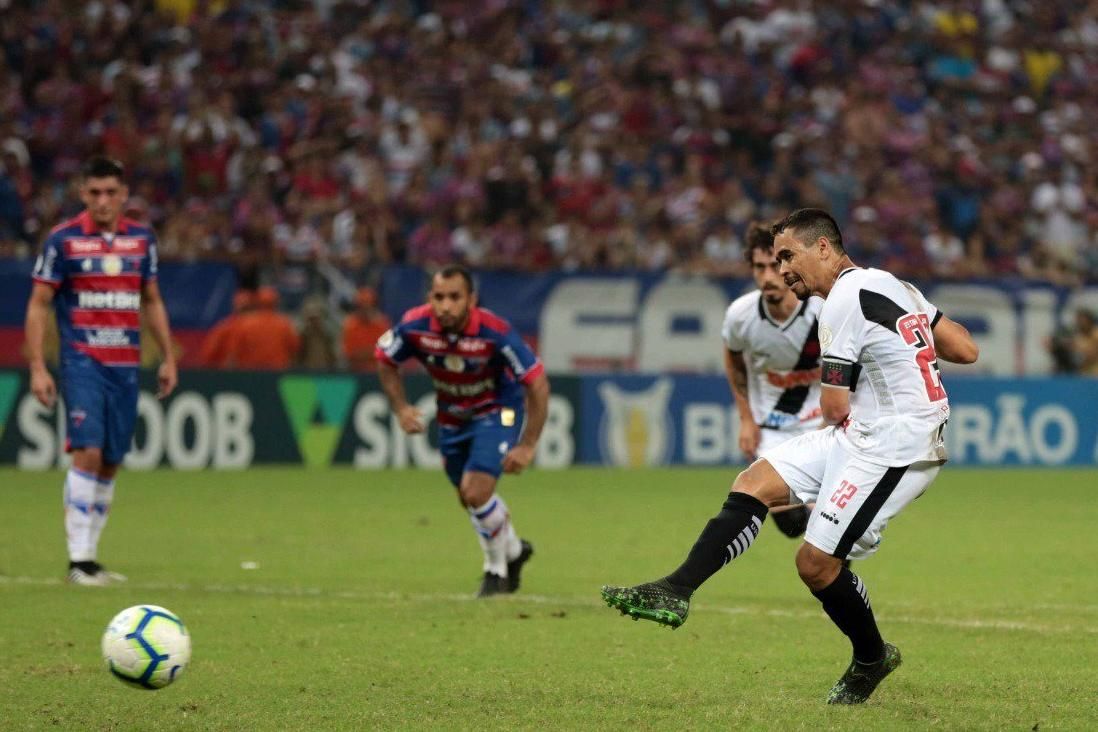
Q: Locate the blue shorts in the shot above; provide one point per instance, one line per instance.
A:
(100, 407)
(480, 444)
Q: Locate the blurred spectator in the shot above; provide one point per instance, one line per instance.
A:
(1075, 350)
(361, 329)
(288, 136)
(265, 339)
(220, 341)
(317, 349)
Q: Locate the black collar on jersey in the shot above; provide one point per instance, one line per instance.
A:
(848, 270)
(765, 314)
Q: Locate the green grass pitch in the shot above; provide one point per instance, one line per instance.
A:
(359, 614)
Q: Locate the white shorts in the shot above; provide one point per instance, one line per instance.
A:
(855, 498)
(769, 439)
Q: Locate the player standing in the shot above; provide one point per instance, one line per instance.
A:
(772, 360)
(480, 368)
(883, 395)
(98, 270)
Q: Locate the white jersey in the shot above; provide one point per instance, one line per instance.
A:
(782, 359)
(876, 334)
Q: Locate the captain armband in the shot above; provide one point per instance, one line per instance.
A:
(836, 372)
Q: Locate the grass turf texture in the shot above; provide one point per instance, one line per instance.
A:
(359, 615)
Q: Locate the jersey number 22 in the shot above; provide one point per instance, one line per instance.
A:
(915, 330)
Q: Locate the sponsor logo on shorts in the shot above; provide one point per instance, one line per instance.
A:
(829, 517)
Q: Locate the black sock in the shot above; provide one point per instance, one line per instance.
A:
(90, 567)
(792, 522)
(846, 602)
(725, 537)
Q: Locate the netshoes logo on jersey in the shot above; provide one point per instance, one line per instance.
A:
(9, 388)
(317, 407)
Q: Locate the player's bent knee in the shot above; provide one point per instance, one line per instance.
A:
(477, 488)
(761, 481)
(88, 460)
(817, 568)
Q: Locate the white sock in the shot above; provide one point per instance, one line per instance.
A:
(491, 522)
(79, 512)
(101, 510)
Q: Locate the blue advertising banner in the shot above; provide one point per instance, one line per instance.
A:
(653, 322)
(197, 295)
(690, 420)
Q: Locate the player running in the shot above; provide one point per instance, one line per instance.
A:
(884, 398)
(772, 360)
(97, 270)
(480, 367)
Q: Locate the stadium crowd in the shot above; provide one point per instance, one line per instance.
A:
(950, 139)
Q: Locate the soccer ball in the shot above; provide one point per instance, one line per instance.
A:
(146, 646)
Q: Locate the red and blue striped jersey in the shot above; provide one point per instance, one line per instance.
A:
(475, 372)
(98, 280)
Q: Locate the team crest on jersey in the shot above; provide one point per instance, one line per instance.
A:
(112, 264)
(454, 363)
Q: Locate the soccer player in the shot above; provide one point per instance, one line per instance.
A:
(883, 397)
(481, 369)
(772, 360)
(98, 270)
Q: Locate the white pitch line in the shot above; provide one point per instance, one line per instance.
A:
(261, 590)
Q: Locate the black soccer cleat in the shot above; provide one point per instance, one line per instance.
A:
(793, 521)
(514, 567)
(656, 601)
(860, 679)
(493, 584)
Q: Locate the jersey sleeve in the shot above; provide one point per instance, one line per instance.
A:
(732, 331)
(47, 268)
(151, 265)
(521, 359)
(842, 335)
(393, 347)
(931, 311)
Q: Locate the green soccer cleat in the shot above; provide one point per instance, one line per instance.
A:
(860, 679)
(655, 601)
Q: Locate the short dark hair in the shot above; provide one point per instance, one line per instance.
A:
(456, 270)
(103, 167)
(811, 224)
(757, 236)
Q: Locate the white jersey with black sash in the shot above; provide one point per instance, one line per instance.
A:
(782, 359)
(876, 333)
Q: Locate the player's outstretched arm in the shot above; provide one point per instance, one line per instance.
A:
(537, 411)
(411, 421)
(953, 342)
(38, 313)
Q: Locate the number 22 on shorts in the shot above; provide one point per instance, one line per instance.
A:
(844, 493)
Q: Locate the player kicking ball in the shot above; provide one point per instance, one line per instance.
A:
(772, 361)
(485, 379)
(883, 397)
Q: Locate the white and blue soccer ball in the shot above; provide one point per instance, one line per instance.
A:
(146, 646)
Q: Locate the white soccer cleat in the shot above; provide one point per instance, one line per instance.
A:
(78, 576)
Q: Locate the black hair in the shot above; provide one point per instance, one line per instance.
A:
(452, 270)
(103, 167)
(757, 236)
(810, 224)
